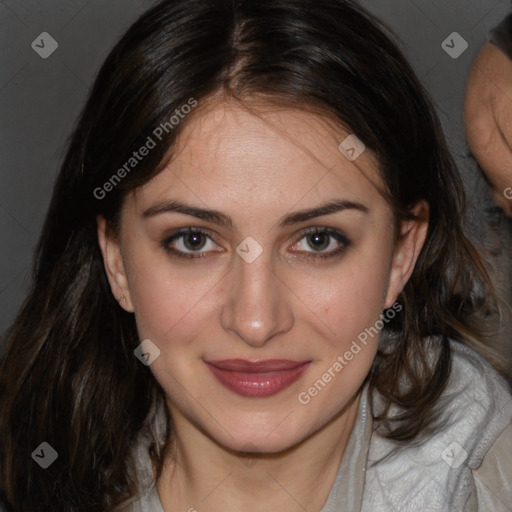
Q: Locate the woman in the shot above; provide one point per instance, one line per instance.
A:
(252, 289)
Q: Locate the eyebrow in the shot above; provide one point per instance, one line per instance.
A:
(221, 219)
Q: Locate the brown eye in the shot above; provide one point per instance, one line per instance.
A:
(319, 240)
(194, 240)
(189, 243)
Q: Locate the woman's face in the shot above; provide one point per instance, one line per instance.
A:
(256, 283)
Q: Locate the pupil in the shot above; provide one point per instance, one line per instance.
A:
(193, 241)
(319, 238)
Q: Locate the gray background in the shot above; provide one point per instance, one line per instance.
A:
(41, 98)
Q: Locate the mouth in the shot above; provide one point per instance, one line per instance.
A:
(257, 379)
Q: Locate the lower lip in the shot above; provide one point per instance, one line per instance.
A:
(257, 384)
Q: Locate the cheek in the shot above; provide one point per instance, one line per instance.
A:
(351, 304)
(168, 300)
(349, 299)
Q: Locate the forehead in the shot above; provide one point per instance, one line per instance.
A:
(262, 157)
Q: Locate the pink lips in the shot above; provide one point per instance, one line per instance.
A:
(257, 379)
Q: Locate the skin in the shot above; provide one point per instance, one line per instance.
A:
(256, 170)
(488, 118)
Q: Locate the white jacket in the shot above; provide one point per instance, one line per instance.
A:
(464, 467)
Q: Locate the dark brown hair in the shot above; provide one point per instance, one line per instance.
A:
(69, 376)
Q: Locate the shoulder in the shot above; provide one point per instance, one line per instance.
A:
(477, 401)
(473, 379)
(486, 397)
(438, 474)
(493, 479)
(476, 406)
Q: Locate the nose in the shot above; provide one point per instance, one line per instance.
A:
(257, 306)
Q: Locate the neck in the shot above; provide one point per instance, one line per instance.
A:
(199, 474)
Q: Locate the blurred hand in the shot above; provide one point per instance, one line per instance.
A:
(488, 118)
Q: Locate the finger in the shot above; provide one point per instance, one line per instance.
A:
(492, 152)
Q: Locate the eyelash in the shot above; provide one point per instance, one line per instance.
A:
(337, 235)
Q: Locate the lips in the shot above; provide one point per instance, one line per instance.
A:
(257, 379)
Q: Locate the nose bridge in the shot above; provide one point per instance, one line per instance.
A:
(256, 307)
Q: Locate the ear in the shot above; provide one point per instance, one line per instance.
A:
(410, 241)
(114, 265)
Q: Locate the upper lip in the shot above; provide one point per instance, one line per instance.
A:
(267, 365)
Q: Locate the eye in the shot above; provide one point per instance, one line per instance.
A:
(320, 240)
(196, 243)
(185, 242)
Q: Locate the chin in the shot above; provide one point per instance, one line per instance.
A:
(261, 445)
(270, 437)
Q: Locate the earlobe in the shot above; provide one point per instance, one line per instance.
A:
(114, 265)
(412, 237)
